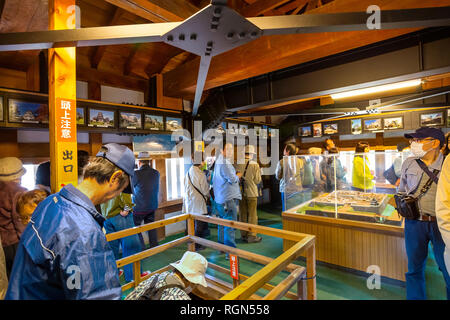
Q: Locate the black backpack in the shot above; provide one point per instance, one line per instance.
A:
(153, 293)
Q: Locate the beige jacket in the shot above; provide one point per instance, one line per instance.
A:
(251, 179)
(3, 278)
(443, 208)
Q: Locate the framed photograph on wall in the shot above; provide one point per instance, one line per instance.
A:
(448, 117)
(233, 128)
(101, 118)
(432, 119)
(305, 131)
(152, 122)
(243, 129)
(130, 120)
(1, 109)
(81, 116)
(317, 129)
(257, 130)
(173, 123)
(372, 124)
(330, 128)
(222, 128)
(393, 123)
(20, 111)
(356, 125)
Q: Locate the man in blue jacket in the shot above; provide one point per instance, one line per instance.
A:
(145, 183)
(227, 194)
(63, 252)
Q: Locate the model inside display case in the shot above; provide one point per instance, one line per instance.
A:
(332, 193)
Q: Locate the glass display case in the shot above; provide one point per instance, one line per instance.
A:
(347, 185)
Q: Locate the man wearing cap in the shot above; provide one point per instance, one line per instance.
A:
(251, 177)
(11, 172)
(63, 252)
(226, 194)
(425, 148)
(145, 195)
(177, 284)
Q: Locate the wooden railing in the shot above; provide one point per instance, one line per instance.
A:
(305, 278)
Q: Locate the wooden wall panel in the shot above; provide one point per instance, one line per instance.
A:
(13, 79)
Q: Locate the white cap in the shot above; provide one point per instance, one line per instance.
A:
(193, 267)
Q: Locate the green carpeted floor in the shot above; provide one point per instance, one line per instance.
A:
(332, 283)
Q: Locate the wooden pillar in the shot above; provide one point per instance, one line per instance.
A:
(33, 75)
(95, 142)
(311, 272)
(94, 91)
(62, 100)
(191, 232)
(8, 143)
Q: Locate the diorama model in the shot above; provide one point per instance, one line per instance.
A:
(352, 205)
(358, 201)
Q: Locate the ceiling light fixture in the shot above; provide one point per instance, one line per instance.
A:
(386, 87)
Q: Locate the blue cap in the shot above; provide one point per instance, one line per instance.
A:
(119, 155)
(426, 132)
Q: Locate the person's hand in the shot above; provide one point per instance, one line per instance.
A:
(239, 174)
(124, 213)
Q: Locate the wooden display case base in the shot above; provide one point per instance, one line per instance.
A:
(353, 244)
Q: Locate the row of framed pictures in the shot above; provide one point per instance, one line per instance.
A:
(27, 112)
(131, 120)
(233, 128)
(373, 124)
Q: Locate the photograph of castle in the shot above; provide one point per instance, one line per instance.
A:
(152, 122)
(304, 131)
(130, 120)
(317, 130)
(372, 124)
(356, 126)
(80, 116)
(432, 119)
(101, 118)
(393, 123)
(173, 124)
(27, 112)
(330, 128)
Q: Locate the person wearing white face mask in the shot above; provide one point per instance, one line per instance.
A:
(419, 176)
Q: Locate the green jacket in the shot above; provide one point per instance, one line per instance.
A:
(113, 207)
(361, 177)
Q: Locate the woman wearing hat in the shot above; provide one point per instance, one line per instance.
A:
(11, 172)
(188, 273)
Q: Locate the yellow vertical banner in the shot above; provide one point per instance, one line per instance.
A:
(62, 100)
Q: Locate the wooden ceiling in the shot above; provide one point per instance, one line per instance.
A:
(130, 66)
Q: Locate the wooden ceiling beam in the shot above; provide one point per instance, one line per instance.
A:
(111, 79)
(127, 66)
(100, 50)
(260, 7)
(158, 10)
(272, 53)
(294, 5)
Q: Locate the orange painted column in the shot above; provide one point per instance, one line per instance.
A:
(62, 100)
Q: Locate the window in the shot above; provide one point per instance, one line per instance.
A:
(29, 178)
(175, 178)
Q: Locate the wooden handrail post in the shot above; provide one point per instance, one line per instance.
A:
(137, 272)
(311, 272)
(191, 232)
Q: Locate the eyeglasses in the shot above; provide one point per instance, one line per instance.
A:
(421, 140)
